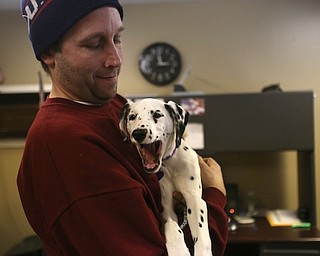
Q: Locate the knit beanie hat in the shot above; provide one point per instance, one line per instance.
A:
(48, 20)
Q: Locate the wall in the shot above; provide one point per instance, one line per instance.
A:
(232, 46)
(13, 223)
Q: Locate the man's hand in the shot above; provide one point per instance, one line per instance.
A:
(211, 174)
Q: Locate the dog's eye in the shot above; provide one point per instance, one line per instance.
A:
(157, 115)
(132, 117)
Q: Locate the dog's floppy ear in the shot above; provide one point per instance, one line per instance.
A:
(180, 119)
(123, 118)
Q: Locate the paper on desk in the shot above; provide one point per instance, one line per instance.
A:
(194, 135)
(282, 217)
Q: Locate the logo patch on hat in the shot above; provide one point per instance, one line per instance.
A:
(31, 13)
(31, 9)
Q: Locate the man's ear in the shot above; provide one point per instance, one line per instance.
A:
(48, 57)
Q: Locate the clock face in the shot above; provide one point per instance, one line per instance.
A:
(160, 63)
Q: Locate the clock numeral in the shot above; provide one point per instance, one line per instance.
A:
(160, 77)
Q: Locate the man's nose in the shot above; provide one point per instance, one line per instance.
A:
(113, 57)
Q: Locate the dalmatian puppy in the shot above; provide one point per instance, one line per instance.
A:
(156, 129)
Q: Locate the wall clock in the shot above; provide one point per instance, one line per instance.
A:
(160, 63)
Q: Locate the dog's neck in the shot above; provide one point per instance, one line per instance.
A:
(170, 146)
(169, 156)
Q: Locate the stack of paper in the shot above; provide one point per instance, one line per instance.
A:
(282, 218)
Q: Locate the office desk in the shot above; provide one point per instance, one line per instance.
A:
(262, 240)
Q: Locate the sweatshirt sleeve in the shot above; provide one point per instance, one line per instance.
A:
(218, 219)
(117, 223)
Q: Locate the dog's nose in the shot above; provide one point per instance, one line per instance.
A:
(139, 134)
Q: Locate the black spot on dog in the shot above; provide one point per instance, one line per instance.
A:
(195, 239)
(201, 211)
(189, 211)
(180, 231)
(201, 218)
(200, 225)
(185, 148)
(191, 178)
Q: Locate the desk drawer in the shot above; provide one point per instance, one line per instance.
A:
(290, 249)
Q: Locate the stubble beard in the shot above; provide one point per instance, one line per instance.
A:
(78, 85)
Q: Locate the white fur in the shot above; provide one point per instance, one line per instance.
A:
(179, 165)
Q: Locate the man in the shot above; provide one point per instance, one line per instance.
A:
(82, 187)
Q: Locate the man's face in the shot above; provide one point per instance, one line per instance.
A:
(88, 65)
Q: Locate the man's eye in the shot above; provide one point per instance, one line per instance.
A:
(93, 45)
(117, 40)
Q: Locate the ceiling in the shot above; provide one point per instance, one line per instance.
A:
(14, 4)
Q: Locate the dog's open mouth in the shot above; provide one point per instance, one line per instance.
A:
(150, 155)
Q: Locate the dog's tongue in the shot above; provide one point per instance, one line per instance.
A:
(149, 166)
(150, 154)
(150, 159)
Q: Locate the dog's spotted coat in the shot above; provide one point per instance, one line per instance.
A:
(156, 128)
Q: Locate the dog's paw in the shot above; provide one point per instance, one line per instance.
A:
(203, 253)
(201, 249)
(175, 239)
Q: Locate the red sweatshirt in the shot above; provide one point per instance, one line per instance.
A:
(84, 191)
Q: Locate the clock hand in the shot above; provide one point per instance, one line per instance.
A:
(164, 64)
(160, 62)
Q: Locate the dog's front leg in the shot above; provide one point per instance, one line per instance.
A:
(173, 234)
(175, 239)
(198, 222)
(196, 213)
